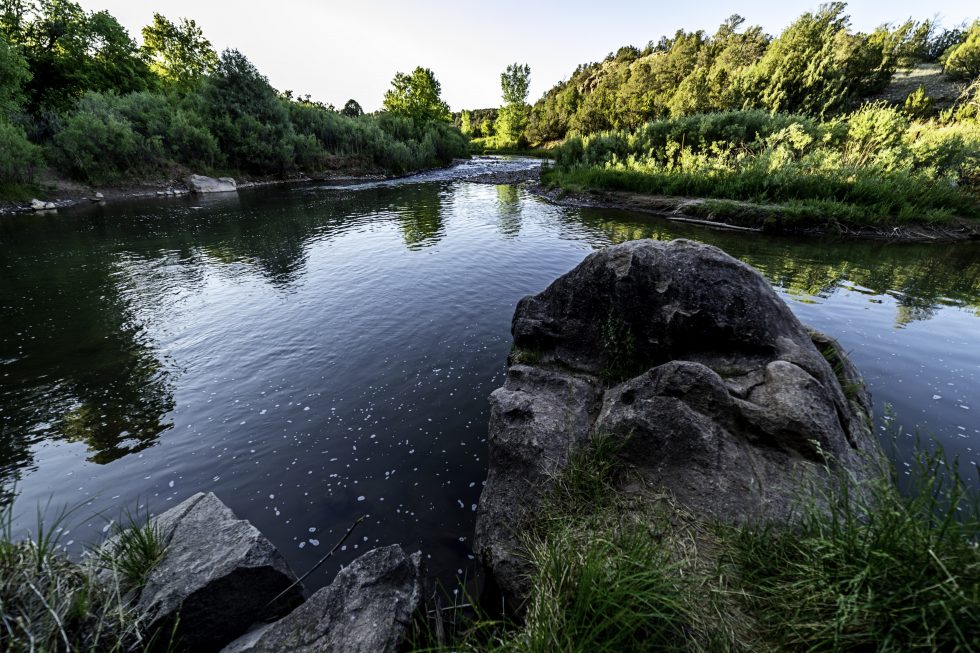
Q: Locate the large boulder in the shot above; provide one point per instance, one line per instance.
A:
(366, 609)
(218, 576)
(202, 184)
(715, 392)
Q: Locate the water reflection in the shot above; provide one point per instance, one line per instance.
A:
(509, 209)
(920, 277)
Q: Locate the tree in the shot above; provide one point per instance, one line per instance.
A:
(963, 60)
(178, 54)
(352, 109)
(69, 51)
(247, 116)
(513, 118)
(417, 96)
(14, 73)
(515, 82)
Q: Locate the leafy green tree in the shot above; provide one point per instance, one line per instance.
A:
(352, 109)
(515, 82)
(248, 117)
(513, 117)
(69, 51)
(417, 96)
(14, 73)
(963, 61)
(178, 53)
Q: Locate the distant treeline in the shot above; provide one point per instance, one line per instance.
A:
(78, 94)
(817, 66)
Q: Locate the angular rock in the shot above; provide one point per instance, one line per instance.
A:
(202, 184)
(536, 420)
(717, 394)
(38, 205)
(218, 574)
(366, 609)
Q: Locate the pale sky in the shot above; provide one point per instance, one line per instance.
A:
(352, 49)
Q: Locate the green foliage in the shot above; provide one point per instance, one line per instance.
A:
(179, 54)
(19, 158)
(48, 603)
(918, 105)
(70, 51)
(610, 591)
(872, 166)
(352, 109)
(871, 569)
(14, 73)
(817, 66)
(247, 117)
(963, 60)
(417, 96)
(512, 118)
(515, 82)
(133, 551)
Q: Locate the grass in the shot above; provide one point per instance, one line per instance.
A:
(619, 568)
(756, 198)
(875, 167)
(12, 191)
(49, 603)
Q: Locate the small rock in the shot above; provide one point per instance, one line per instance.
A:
(50, 205)
(99, 196)
(37, 205)
(366, 609)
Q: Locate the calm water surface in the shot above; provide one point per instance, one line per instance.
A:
(314, 354)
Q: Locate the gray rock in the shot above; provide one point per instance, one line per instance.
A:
(218, 574)
(717, 393)
(366, 609)
(99, 196)
(38, 205)
(202, 184)
(536, 421)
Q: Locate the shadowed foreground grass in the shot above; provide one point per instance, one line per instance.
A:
(48, 603)
(879, 570)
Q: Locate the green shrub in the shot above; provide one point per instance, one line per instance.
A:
(19, 158)
(98, 143)
(963, 60)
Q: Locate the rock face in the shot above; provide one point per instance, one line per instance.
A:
(367, 609)
(202, 184)
(219, 574)
(716, 393)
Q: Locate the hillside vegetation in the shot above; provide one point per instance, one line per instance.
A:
(801, 129)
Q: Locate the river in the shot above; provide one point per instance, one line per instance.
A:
(314, 353)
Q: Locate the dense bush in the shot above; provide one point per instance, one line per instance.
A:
(870, 166)
(963, 60)
(18, 156)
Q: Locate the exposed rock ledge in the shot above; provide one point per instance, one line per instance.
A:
(202, 184)
(717, 394)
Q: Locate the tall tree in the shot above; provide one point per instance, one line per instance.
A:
(417, 96)
(513, 117)
(69, 51)
(179, 53)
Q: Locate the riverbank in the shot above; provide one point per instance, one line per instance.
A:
(750, 217)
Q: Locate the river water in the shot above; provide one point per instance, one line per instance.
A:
(313, 354)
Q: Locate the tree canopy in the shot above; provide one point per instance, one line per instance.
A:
(417, 96)
(178, 53)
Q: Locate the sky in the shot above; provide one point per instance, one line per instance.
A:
(352, 49)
